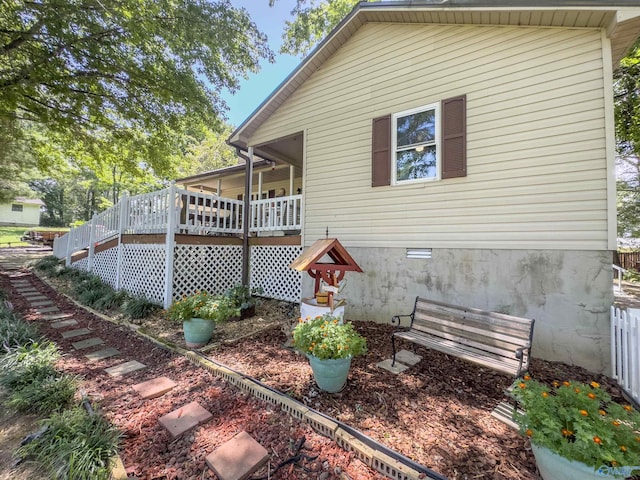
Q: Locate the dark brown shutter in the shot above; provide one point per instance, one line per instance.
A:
(381, 152)
(454, 137)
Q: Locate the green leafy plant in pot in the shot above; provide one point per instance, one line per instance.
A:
(199, 314)
(243, 297)
(577, 430)
(329, 345)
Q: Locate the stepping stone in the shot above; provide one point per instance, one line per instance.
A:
(397, 368)
(76, 333)
(89, 342)
(238, 458)
(57, 316)
(184, 419)
(407, 357)
(47, 310)
(36, 298)
(125, 368)
(26, 291)
(64, 323)
(41, 303)
(154, 388)
(102, 354)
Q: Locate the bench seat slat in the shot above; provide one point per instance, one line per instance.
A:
(498, 317)
(502, 364)
(475, 328)
(488, 344)
(486, 338)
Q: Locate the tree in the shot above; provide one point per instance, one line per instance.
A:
(17, 164)
(627, 115)
(312, 23)
(211, 153)
(134, 69)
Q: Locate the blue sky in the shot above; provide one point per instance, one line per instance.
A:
(270, 20)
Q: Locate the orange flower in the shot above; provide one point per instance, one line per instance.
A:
(595, 384)
(566, 433)
(529, 432)
(522, 385)
(602, 412)
(556, 383)
(616, 423)
(545, 394)
(591, 396)
(577, 390)
(623, 448)
(628, 408)
(566, 384)
(584, 413)
(597, 440)
(527, 377)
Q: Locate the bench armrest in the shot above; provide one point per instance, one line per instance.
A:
(520, 356)
(395, 320)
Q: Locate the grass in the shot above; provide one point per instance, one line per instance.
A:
(10, 236)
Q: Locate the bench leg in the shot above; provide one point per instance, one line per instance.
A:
(393, 346)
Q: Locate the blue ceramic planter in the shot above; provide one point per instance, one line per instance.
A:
(331, 374)
(198, 332)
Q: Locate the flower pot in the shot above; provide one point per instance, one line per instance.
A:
(197, 332)
(555, 467)
(330, 374)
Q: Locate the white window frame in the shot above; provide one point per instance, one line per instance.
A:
(394, 144)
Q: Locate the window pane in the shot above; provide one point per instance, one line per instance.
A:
(417, 128)
(412, 165)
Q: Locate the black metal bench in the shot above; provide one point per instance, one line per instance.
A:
(494, 340)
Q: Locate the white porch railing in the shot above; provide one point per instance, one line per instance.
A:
(281, 213)
(625, 350)
(618, 275)
(194, 213)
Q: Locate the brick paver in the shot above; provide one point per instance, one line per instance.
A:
(184, 419)
(155, 387)
(238, 458)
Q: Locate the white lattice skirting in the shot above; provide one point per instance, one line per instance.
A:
(142, 271)
(105, 265)
(212, 268)
(269, 267)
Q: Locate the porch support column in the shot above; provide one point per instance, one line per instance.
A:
(219, 187)
(292, 172)
(246, 217)
(259, 185)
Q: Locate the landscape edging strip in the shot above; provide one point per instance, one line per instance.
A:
(321, 423)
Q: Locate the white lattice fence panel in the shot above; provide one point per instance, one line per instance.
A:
(212, 268)
(105, 265)
(143, 271)
(82, 264)
(270, 270)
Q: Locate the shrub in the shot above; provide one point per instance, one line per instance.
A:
(48, 264)
(111, 300)
(632, 275)
(44, 395)
(15, 332)
(86, 283)
(75, 445)
(138, 307)
(28, 364)
(205, 305)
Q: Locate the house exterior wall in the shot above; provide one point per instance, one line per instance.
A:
(29, 217)
(535, 127)
(527, 231)
(568, 293)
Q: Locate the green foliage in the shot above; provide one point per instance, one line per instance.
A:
(122, 77)
(326, 338)
(111, 300)
(579, 422)
(14, 331)
(632, 275)
(75, 445)
(44, 395)
(217, 308)
(313, 23)
(28, 364)
(139, 307)
(242, 297)
(48, 264)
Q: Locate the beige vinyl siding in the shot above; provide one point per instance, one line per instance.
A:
(536, 150)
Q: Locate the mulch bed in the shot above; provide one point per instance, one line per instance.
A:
(437, 413)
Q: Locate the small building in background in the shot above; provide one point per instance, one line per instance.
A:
(21, 211)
